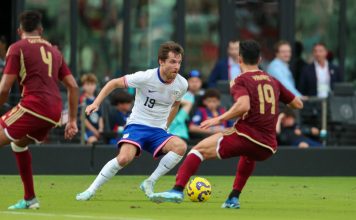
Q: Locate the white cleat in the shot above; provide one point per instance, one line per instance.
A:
(84, 196)
(147, 187)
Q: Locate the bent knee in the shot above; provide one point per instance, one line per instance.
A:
(179, 147)
(124, 160)
(205, 152)
(200, 150)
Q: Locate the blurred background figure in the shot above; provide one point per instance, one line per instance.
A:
(211, 108)
(279, 67)
(299, 62)
(317, 79)
(122, 102)
(291, 134)
(226, 68)
(94, 123)
(189, 103)
(3, 48)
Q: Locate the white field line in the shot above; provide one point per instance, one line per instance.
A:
(71, 216)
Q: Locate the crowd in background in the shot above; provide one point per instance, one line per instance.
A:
(203, 102)
(210, 99)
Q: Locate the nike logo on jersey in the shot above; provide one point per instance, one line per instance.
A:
(151, 91)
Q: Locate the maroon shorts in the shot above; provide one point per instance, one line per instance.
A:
(17, 123)
(233, 145)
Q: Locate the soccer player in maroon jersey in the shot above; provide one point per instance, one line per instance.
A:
(38, 67)
(253, 136)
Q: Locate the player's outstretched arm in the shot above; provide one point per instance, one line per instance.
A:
(296, 103)
(73, 93)
(6, 83)
(241, 106)
(105, 91)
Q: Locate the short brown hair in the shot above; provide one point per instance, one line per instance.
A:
(279, 44)
(30, 20)
(320, 44)
(121, 97)
(211, 93)
(169, 46)
(88, 78)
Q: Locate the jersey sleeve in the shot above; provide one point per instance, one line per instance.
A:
(238, 89)
(12, 65)
(63, 70)
(183, 91)
(285, 95)
(136, 80)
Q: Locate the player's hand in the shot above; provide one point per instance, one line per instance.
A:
(91, 108)
(210, 122)
(70, 130)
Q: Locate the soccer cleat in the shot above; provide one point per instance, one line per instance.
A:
(169, 196)
(147, 187)
(26, 204)
(232, 203)
(84, 196)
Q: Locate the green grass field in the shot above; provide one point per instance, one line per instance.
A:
(263, 198)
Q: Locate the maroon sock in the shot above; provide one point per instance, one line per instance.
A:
(24, 165)
(245, 168)
(187, 169)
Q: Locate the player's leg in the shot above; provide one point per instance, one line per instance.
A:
(245, 169)
(204, 150)
(125, 156)
(174, 150)
(22, 129)
(24, 164)
(4, 140)
(249, 153)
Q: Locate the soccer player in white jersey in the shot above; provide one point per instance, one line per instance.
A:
(157, 100)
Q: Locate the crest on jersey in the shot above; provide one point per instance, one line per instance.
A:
(175, 94)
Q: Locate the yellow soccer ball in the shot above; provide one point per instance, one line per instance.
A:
(199, 189)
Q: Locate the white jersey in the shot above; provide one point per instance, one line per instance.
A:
(154, 98)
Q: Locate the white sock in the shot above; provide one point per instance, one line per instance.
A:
(107, 172)
(168, 162)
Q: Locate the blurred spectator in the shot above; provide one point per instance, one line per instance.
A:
(211, 102)
(179, 125)
(299, 62)
(122, 101)
(279, 67)
(194, 83)
(3, 48)
(94, 123)
(317, 79)
(226, 68)
(290, 134)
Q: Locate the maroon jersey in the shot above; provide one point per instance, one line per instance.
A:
(39, 66)
(259, 123)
